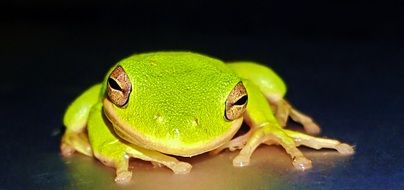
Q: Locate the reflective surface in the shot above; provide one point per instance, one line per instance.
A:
(270, 168)
(351, 83)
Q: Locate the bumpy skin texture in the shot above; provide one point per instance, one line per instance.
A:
(177, 106)
(170, 91)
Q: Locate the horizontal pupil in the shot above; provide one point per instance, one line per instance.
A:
(242, 100)
(113, 84)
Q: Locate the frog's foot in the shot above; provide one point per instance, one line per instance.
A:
(318, 143)
(116, 154)
(284, 110)
(75, 141)
(234, 144)
(272, 135)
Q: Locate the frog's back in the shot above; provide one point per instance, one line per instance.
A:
(173, 63)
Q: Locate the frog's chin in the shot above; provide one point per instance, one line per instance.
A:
(125, 131)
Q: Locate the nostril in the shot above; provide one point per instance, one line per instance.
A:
(158, 118)
(195, 122)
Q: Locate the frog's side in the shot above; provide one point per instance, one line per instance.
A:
(158, 104)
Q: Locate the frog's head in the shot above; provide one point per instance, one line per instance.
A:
(174, 102)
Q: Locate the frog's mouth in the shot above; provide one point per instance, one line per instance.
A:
(127, 133)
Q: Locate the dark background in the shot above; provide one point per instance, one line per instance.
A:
(342, 60)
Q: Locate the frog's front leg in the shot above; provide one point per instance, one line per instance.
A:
(271, 133)
(115, 152)
(266, 130)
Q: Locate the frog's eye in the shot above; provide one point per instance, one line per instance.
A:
(119, 87)
(236, 102)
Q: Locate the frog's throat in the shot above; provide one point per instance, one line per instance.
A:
(127, 133)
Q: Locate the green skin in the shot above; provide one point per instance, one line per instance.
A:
(177, 106)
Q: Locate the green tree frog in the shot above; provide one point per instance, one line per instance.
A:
(154, 106)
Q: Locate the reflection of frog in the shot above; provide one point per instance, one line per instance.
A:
(184, 104)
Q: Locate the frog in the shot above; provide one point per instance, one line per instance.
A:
(166, 105)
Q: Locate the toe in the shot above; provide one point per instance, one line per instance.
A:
(302, 163)
(123, 177)
(312, 129)
(66, 150)
(182, 168)
(345, 149)
(241, 160)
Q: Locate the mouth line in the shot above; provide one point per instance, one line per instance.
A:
(127, 133)
(119, 126)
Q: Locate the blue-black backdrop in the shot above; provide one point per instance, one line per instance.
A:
(343, 62)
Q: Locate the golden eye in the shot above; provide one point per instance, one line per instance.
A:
(119, 87)
(236, 102)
